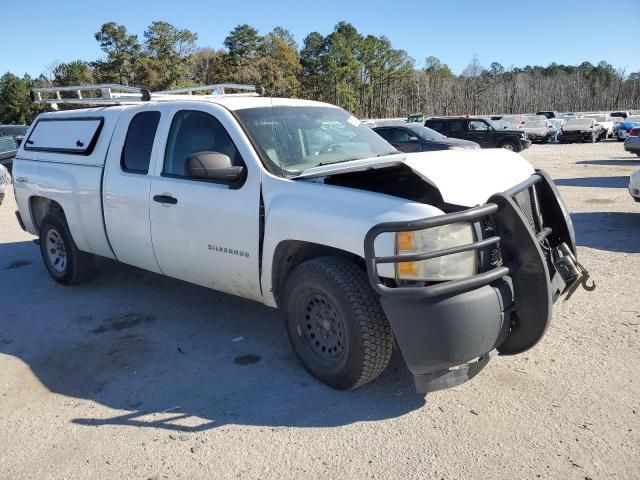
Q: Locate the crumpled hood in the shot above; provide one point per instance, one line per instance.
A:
(470, 177)
(463, 177)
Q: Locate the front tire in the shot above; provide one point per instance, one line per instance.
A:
(509, 146)
(335, 322)
(64, 261)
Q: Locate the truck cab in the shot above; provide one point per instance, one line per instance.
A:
(298, 205)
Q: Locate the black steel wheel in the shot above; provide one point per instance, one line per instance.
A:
(335, 322)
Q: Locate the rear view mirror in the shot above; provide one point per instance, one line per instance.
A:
(213, 166)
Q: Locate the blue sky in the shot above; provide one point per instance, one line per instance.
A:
(36, 33)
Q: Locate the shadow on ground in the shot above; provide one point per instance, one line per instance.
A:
(594, 182)
(612, 231)
(172, 355)
(613, 162)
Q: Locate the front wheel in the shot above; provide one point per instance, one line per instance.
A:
(64, 261)
(335, 322)
(509, 146)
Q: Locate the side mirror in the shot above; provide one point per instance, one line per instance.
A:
(413, 139)
(213, 166)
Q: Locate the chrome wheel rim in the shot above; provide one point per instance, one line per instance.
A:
(56, 253)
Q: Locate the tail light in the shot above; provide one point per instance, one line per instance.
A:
(635, 132)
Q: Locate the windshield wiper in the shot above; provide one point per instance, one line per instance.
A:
(322, 164)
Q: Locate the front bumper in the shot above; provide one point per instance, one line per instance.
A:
(524, 144)
(576, 136)
(447, 330)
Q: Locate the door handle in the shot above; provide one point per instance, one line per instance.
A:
(165, 199)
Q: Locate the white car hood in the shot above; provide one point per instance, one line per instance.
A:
(463, 177)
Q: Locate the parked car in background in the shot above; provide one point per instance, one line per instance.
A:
(480, 130)
(634, 186)
(8, 150)
(557, 124)
(415, 137)
(625, 127)
(16, 131)
(616, 124)
(604, 120)
(582, 130)
(623, 114)
(538, 130)
(5, 179)
(549, 114)
(632, 143)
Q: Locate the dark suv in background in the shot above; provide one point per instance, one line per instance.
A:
(480, 130)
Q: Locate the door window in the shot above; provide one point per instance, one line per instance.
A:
(478, 126)
(136, 152)
(191, 132)
(399, 135)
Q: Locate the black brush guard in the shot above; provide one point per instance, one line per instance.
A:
(508, 307)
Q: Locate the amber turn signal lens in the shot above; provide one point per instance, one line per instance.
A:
(405, 241)
(407, 269)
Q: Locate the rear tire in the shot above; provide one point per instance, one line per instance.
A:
(335, 322)
(64, 261)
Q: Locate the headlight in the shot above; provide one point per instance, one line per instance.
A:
(448, 267)
(451, 147)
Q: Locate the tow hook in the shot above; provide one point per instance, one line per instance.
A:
(572, 271)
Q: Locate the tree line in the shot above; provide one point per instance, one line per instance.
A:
(361, 73)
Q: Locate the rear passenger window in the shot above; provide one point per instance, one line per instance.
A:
(136, 152)
(438, 126)
(457, 126)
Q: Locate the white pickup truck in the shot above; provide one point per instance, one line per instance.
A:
(449, 256)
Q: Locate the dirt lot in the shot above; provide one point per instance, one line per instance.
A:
(134, 375)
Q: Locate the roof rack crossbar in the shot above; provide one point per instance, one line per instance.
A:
(216, 89)
(110, 94)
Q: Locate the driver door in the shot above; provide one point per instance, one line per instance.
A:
(202, 231)
(480, 132)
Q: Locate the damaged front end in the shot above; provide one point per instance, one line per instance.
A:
(526, 259)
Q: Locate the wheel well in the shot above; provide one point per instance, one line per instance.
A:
(291, 253)
(42, 206)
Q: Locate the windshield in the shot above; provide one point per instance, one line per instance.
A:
(293, 139)
(498, 124)
(426, 133)
(16, 130)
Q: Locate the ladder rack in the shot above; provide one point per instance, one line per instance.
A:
(110, 94)
(113, 94)
(216, 90)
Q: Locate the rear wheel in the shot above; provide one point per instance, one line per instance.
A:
(64, 261)
(335, 322)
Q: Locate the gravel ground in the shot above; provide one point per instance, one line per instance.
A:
(134, 375)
